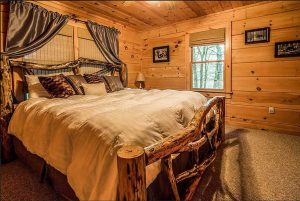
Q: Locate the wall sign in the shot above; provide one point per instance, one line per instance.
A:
(261, 35)
(287, 49)
(161, 54)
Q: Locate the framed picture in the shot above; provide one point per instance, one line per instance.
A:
(261, 35)
(161, 54)
(287, 49)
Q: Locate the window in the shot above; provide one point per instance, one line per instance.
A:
(208, 66)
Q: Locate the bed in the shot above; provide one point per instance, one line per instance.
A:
(125, 141)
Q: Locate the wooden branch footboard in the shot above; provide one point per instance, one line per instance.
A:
(132, 160)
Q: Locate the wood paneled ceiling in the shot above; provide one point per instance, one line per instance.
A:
(148, 14)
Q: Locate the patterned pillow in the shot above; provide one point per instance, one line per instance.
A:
(76, 81)
(96, 78)
(114, 83)
(57, 86)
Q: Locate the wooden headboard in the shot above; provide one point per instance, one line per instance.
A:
(79, 66)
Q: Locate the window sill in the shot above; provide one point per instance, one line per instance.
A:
(212, 93)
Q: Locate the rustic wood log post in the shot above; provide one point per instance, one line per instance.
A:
(132, 173)
(222, 118)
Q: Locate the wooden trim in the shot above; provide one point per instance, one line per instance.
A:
(75, 42)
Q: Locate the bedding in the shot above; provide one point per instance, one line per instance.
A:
(35, 88)
(94, 89)
(79, 135)
(114, 83)
(57, 86)
(76, 81)
(96, 78)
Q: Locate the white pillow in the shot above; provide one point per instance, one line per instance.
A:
(35, 88)
(94, 89)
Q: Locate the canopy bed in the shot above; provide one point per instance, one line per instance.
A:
(118, 145)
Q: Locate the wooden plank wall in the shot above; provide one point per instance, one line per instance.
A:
(254, 77)
(130, 42)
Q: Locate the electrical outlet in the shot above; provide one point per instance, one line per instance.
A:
(271, 110)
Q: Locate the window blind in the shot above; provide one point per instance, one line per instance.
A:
(87, 47)
(59, 50)
(207, 37)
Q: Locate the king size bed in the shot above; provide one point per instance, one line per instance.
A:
(121, 144)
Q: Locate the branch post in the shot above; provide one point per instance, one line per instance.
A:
(132, 173)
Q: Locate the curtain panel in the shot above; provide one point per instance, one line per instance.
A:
(107, 41)
(30, 27)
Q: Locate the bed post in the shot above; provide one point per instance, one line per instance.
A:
(132, 173)
(222, 118)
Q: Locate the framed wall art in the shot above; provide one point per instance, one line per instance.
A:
(161, 54)
(287, 49)
(261, 35)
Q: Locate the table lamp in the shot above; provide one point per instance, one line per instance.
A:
(140, 78)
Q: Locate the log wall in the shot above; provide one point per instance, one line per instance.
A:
(130, 42)
(254, 79)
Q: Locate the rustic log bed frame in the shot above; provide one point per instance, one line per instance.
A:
(132, 160)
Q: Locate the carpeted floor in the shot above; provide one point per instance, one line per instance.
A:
(252, 165)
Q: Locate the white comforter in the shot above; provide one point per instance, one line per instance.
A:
(79, 136)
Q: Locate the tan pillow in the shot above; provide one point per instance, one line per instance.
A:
(35, 88)
(94, 89)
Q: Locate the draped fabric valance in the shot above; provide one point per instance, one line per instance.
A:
(107, 41)
(30, 27)
(207, 37)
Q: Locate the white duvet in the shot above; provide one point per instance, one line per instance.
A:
(80, 135)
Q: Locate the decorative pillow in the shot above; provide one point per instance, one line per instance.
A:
(57, 86)
(94, 89)
(96, 78)
(76, 81)
(35, 88)
(114, 83)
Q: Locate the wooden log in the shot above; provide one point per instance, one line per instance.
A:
(201, 168)
(175, 142)
(221, 122)
(132, 173)
(168, 168)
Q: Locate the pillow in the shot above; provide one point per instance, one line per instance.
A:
(76, 82)
(57, 86)
(35, 88)
(96, 78)
(114, 83)
(94, 89)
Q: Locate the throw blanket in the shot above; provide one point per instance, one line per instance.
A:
(80, 135)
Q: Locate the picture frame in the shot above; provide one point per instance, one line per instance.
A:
(287, 49)
(161, 54)
(261, 35)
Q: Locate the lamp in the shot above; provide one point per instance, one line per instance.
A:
(140, 78)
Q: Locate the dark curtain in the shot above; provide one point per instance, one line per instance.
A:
(107, 41)
(30, 27)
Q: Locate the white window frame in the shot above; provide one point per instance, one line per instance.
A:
(194, 62)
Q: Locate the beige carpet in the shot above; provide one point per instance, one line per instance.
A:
(252, 165)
